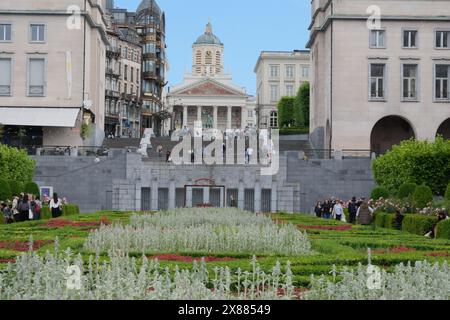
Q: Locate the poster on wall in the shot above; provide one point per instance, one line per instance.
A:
(46, 192)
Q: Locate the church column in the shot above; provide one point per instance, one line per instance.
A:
(243, 118)
(199, 113)
(185, 116)
(229, 117)
(215, 124)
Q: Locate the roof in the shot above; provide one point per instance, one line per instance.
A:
(208, 37)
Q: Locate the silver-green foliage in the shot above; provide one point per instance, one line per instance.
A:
(419, 281)
(201, 231)
(34, 277)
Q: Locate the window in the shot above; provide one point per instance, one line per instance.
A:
(132, 74)
(37, 33)
(137, 76)
(274, 93)
(5, 77)
(377, 72)
(125, 74)
(442, 39)
(410, 39)
(274, 71)
(208, 58)
(125, 88)
(441, 83)
(5, 32)
(305, 72)
(377, 38)
(410, 81)
(289, 90)
(273, 119)
(36, 77)
(250, 114)
(290, 72)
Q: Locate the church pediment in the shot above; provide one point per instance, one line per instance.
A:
(208, 88)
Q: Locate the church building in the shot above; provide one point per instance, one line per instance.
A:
(208, 95)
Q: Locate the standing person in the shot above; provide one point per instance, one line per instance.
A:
(250, 154)
(338, 211)
(352, 210)
(398, 221)
(14, 208)
(168, 153)
(327, 209)
(318, 209)
(233, 203)
(55, 206)
(36, 206)
(365, 213)
(6, 211)
(24, 208)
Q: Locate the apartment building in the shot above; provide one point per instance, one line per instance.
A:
(123, 73)
(278, 74)
(52, 72)
(380, 72)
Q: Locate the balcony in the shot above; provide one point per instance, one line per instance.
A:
(112, 94)
(112, 72)
(112, 51)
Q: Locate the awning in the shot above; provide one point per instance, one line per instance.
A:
(39, 117)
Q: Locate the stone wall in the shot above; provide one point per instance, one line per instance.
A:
(117, 182)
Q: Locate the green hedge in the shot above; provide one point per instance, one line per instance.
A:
(443, 230)
(379, 192)
(418, 224)
(32, 188)
(385, 220)
(68, 210)
(293, 131)
(5, 190)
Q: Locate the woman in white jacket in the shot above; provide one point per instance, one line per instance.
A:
(55, 206)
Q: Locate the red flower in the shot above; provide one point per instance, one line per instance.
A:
(188, 259)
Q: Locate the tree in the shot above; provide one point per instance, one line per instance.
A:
(2, 132)
(422, 196)
(419, 162)
(286, 112)
(15, 164)
(16, 187)
(301, 105)
(379, 192)
(32, 188)
(5, 191)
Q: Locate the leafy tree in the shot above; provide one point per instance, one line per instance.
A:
(301, 105)
(286, 112)
(15, 164)
(5, 191)
(16, 187)
(2, 132)
(379, 192)
(422, 196)
(421, 162)
(32, 188)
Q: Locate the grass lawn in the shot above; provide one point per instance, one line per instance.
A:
(334, 243)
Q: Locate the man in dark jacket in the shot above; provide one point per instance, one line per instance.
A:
(352, 210)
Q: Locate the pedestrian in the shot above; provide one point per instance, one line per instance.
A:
(365, 213)
(14, 208)
(233, 203)
(318, 209)
(250, 154)
(36, 206)
(6, 212)
(338, 211)
(442, 215)
(352, 210)
(327, 207)
(168, 153)
(24, 208)
(398, 220)
(55, 206)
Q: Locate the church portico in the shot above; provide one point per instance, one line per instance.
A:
(209, 96)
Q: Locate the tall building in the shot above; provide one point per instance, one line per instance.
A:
(52, 72)
(208, 95)
(109, 4)
(123, 72)
(278, 74)
(380, 77)
(151, 26)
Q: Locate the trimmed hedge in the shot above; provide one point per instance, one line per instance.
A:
(385, 220)
(68, 210)
(447, 193)
(443, 230)
(32, 188)
(379, 192)
(418, 224)
(294, 131)
(406, 190)
(422, 196)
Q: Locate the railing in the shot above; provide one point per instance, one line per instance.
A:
(334, 154)
(86, 151)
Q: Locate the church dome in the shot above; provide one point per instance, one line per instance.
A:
(208, 37)
(149, 4)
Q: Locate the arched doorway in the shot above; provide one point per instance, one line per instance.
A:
(444, 129)
(390, 131)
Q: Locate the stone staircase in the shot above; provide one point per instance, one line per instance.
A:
(121, 143)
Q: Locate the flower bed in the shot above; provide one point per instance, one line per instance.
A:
(189, 259)
(394, 250)
(61, 223)
(23, 246)
(438, 254)
(11, 260)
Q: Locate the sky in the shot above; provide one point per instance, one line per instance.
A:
(246, 27)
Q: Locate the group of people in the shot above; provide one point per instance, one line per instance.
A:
(334, 209)
(27, 207)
